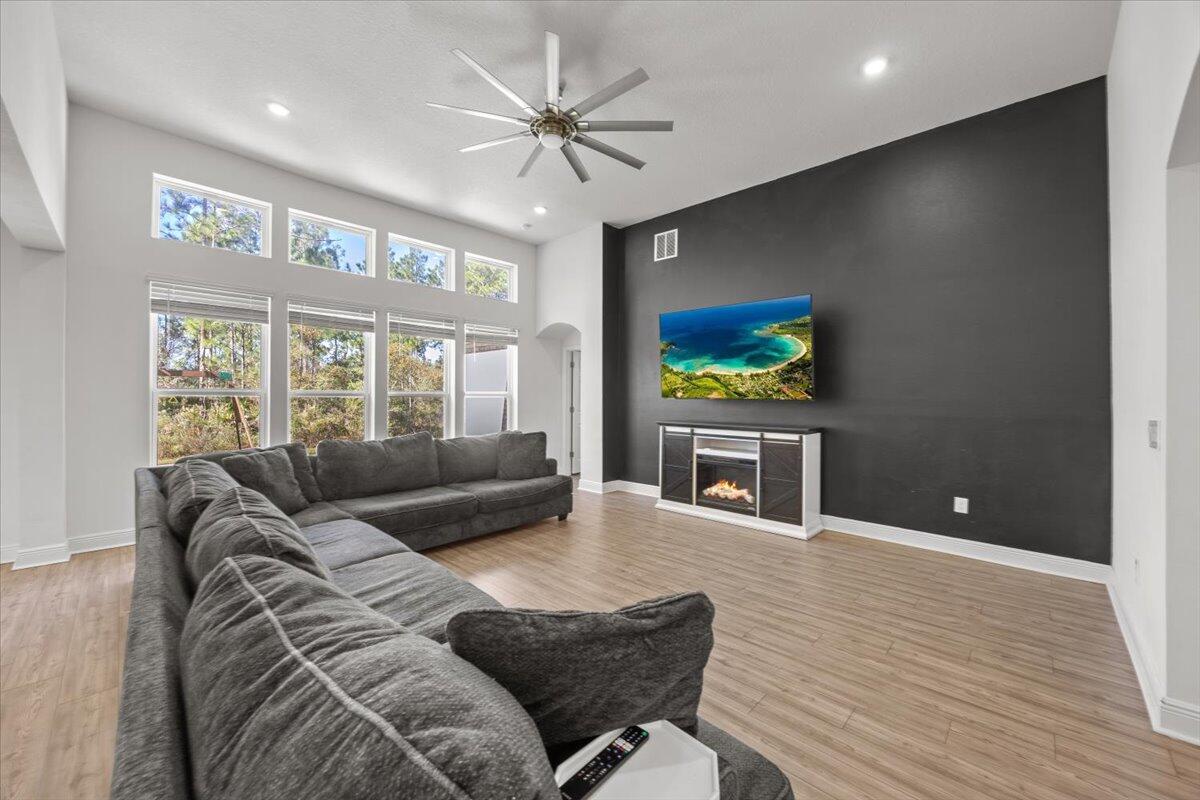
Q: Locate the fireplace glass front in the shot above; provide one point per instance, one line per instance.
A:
(727, 483)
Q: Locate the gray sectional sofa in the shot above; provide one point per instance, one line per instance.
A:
(365, 576)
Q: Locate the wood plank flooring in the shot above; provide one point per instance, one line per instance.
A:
(864, 669)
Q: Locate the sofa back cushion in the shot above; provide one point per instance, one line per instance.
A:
(582, 673)
(271, 473)
(467, 458)
(347, 469)
(302, 466)
(243, 522)
(327, 699)
(191, 485)
(521, 456)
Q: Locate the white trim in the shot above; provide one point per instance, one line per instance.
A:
(40, 556)
(594, 487)
(645, 489)
(1168, 716)
(734, 518)
(86, 543)
(8, 553)
(982, 551)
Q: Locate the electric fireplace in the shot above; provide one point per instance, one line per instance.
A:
(729, 483)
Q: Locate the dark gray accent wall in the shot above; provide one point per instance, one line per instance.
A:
(613, 413)
(961, 307)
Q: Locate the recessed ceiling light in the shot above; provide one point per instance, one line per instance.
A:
(278, 109)
(875, 66)
(539, 209)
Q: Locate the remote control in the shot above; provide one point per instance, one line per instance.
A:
(593, 773)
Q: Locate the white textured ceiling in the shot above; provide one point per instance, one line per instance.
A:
(757, 90)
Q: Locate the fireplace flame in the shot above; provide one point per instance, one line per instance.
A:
(728, 490)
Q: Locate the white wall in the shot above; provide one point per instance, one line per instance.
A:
(110, 255)
(570, 292)
(33, 94)
(1154, 53)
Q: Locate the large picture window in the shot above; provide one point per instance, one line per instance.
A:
(189, 212)
(329, 372)
(489, 277)
(414, 261)
(330, 244)
(209, 370)
(420, 352)
(489, 372)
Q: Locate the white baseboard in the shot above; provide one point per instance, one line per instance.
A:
(645, 489)
(8, 554)
(982, 551)
(24, 558)
(100, 541)
(594, 487)
(40, 556)
(1179, 720)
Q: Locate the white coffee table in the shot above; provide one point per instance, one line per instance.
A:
(670, 765)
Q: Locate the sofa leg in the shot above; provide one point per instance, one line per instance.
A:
(562, 517)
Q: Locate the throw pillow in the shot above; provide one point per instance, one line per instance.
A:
(582, 673)
(467, 458)
(521, 456)
(191, 485)
(243, 522)
(297, 452)
(271, 473)
(348, 469)
(327, 699)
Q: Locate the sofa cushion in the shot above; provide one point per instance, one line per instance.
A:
(191, 485)
(318, 513)
(397, 512)
(418, 593)
(270, 473)
(347, 469)
(498, 495)
(343, 542)
(580, 673)
(520, 455)
(243, 522)
(294, 689)
(467, 458)
(296, 451)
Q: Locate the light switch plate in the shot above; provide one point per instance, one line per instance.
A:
(961, 504)
(1152, 433)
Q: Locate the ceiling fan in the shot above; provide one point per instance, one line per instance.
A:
(555, 128)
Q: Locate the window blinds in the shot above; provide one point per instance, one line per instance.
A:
(489, 334)
(425, 328)
(322, 315)
(199, 301)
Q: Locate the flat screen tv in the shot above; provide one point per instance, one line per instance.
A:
(746, 351)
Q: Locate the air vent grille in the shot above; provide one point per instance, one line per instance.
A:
(666, 244)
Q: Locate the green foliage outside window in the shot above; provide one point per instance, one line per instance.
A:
(326, 358)
(412, 414)
(320, 245)
(414, 264)
(203, 220)
(316, 418)
(190, 425)
(485, 279)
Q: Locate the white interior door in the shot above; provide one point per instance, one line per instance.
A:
(575, 412)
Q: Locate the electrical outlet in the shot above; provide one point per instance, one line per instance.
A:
(1152, 433)
(960, 505)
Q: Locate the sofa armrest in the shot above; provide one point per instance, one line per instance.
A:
(550, 467)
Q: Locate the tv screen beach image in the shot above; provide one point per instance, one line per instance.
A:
(747, 351)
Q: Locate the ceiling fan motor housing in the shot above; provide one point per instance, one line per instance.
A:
(552, 129)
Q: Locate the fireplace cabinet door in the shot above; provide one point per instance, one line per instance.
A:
(676, 479)
(780, 464)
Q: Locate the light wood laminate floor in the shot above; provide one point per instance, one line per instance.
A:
(864, 669)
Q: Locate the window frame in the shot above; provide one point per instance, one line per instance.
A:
(510, 394)
(449, 360)
(159, 182)
(411, 242)
(262, 393)
(351, 227)
(367, 393)
(494, 262)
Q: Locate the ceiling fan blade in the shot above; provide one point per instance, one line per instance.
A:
(502, 140)
(577, 165)
(537, 151)
(484, 114)
(625, 125)
(552, 69)
(611, 152)
(494, 81)
(610, 92)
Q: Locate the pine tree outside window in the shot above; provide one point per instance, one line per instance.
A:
(195, 214)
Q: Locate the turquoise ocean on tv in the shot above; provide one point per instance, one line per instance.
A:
(732, 338)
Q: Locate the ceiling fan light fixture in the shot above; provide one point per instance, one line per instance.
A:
(552, 141)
